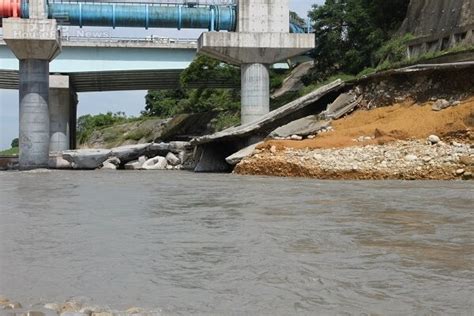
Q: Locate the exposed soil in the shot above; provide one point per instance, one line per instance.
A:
(384, 143)
(401, 121)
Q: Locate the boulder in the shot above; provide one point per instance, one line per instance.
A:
(172, 159)
(433, 139)
(130, 152)
(135, 165)
(411, 157)
(86, 158)
(58, 162)
(156, 163)
(111, 164)
(441, 104)
(242, 154)
(308, 125)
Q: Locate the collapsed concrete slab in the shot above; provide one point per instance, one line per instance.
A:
(87, 159)
(344, 104)
(293, 82)
(309, 125)
(212, 150)
(130, 152)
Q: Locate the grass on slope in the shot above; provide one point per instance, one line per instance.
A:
(10, 152)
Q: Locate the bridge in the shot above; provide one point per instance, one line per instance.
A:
(113, 64)
(252, 34)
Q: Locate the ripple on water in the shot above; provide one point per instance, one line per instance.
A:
(187, 243)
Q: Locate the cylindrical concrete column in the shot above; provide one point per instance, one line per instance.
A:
(34, 113)
(59, 114)
(73, 121)
(255, 92)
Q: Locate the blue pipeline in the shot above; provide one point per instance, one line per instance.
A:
(211, 17)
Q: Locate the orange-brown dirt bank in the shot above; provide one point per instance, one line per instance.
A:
(384, 143)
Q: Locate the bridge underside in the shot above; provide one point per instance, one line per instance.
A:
(121, 80)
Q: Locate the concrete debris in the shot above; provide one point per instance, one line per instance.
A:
(172, 159)
(241, 154)
(135, 165)
(129, 152)
(433, 139)
(441, 105)
(87, 158)
(156, 163)
(111, 164)
(308, 125)
(272, 120)
(58, 162)
(293, 82)
(343, 105)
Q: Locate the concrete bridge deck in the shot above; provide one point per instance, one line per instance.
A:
(82, 54)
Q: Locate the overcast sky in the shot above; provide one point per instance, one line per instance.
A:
(130, 102)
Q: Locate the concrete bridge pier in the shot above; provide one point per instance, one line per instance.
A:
(255, 84)
(262, 39)
(35, 42)
(62, 112)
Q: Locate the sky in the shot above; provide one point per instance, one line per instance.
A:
(130, 102)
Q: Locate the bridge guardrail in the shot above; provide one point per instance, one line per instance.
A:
(149, 39)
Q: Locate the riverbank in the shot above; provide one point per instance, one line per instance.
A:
(407, 140)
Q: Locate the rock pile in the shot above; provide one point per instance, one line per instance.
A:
(409, 160)
(152, 156)
(72, 307)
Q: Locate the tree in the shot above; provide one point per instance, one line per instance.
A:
(349, 33)
(87, 124)
(166, 103)
(15, 143)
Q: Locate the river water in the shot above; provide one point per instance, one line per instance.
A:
(185, 243)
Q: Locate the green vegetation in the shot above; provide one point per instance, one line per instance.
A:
(10, 152)
(226, 102)
(87, 124)
(352, 35)
(13, 151)
(166, 103)
(15, 143)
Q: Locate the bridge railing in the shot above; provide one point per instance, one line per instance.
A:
(148, 39)
(138, 40)
(155, 2)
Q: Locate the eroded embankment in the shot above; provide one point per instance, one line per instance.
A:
(384, 143)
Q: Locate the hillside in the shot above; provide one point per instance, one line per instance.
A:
(427, 17)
